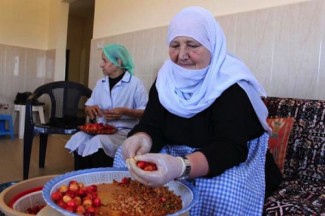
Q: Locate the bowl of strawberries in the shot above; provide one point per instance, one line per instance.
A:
(112, 191)
(24, 197)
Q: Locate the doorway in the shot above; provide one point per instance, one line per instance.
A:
(80, 32)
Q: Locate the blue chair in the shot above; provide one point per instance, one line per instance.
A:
(4, 130)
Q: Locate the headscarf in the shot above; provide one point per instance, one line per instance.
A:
(185, 92)
(113, 52)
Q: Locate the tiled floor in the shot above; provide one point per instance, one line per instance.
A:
(57, 161)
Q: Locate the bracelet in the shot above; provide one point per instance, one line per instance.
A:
(186, 168)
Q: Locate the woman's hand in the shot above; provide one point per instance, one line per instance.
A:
(139, 143)
(114, 114)
(168, 168)
(93, 111)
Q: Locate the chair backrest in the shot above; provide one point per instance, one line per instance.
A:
(67, 98)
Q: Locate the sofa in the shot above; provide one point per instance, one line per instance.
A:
(302, 191)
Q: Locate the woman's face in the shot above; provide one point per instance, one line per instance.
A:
(109, 69)
(189, 53)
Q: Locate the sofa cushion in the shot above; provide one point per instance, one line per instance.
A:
(306, 147)
(296, 198)
(278, 142)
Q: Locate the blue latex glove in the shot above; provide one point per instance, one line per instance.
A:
(168, 168)
(137, 144)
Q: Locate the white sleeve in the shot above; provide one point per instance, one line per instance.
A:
(141, 96)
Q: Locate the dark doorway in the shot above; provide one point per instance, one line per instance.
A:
(80, 31)
(67, 56)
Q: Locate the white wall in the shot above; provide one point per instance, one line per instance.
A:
(58, 30)
(42, 24)
(36, 24)
(114, 17)
(283, 46)
(24, 23)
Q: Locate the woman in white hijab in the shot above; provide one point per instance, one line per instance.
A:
(205, 121)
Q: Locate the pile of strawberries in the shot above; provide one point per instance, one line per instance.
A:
(77, 198)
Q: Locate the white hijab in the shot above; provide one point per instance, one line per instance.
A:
(185, 92)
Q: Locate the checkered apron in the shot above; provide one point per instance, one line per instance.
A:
(238, 191)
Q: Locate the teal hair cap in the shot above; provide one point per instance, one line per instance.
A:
(113, 52)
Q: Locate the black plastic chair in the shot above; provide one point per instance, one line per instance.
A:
(66, 103)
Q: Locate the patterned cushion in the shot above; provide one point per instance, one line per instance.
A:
(296, 198)
(278, 142)
(306, 145)
(302, 191)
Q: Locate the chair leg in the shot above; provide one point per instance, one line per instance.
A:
(11, 128)
(28, 141)
(42, 150)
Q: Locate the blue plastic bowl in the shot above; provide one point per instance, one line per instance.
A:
(187, 191)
